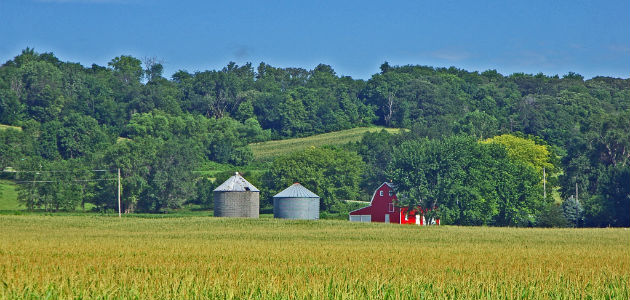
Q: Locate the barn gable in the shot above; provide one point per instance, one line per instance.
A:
(382, 207)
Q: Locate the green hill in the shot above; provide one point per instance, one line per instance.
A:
(3, 127)
(8, 196)
(270, 149)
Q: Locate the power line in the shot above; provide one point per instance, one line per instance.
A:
(59, 181)
(52, 171)
(77, 180)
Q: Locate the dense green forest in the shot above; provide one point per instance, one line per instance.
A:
(482, 148)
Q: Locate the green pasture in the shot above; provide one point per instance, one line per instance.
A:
(8, 196)
(270, 149)
(3, 127)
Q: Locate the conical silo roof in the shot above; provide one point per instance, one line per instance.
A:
(296, 191)
(236, 183)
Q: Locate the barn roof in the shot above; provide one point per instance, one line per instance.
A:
(367, 208)
(296, 191)
(236, 183)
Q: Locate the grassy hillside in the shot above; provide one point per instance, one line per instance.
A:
(218, 258)
(271, 149)
(8, 196)
(2, 127)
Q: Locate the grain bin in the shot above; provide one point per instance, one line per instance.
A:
(296, 202)
(236, 197)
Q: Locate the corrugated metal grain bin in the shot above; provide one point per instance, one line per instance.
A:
(236, 197)
(296, 202)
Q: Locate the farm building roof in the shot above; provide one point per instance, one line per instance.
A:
(296, 191)
(236, 183)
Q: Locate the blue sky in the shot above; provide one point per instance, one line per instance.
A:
(354, 37)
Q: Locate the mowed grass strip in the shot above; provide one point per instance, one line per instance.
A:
(270, 149)
(216, 258)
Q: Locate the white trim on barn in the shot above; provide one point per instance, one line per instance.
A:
(361, 218)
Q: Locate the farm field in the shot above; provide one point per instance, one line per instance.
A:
(87, 257)
(270, 149)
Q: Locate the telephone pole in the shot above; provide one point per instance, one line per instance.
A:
(119, 211)
(576, 192)
(544, 184)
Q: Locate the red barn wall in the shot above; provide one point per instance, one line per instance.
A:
(382, 204)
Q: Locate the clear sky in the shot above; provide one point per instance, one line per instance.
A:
(354, 37)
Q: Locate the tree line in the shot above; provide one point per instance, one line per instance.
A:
(462, 128)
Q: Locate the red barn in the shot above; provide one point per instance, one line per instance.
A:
(382, 208)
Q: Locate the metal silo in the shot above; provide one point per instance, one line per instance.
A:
(236, 197)
(296, 202)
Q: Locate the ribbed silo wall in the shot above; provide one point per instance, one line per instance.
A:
(296, 208)
(236, 204)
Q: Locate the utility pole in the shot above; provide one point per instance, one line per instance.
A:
(119, 212)
(576, 192)
(544, 184)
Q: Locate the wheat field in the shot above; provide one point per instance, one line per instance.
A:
(101, 257)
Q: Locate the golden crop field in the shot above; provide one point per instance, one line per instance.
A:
(270, 149)
(92, 257)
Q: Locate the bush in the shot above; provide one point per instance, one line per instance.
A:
(552, 216)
